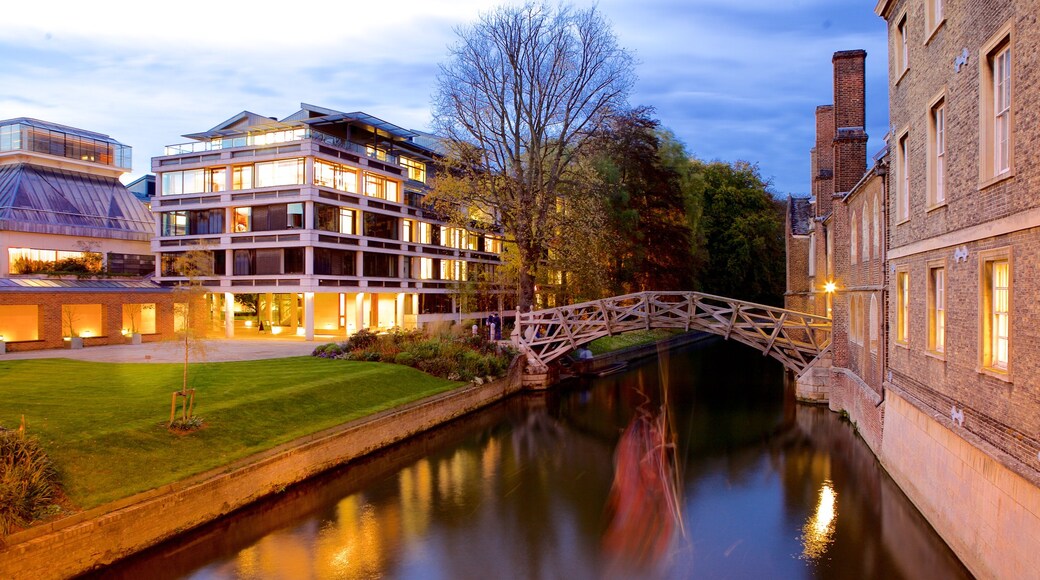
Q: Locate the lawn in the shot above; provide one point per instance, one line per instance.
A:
(104, 424)
(632, 338)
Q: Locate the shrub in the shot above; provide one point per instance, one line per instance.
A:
(459, 357)
(28, 482)
(405, 358)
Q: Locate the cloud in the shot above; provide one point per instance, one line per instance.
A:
(732, 80)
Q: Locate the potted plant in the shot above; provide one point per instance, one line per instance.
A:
(132, 316)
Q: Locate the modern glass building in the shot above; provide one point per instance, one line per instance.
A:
(317, 224)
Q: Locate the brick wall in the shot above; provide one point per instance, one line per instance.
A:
(50, 315)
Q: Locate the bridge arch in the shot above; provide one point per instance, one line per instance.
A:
(796, 339)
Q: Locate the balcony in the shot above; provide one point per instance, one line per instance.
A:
(281, 136)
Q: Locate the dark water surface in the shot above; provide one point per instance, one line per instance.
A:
(716, 475)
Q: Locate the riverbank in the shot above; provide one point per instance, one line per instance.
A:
(100, 536)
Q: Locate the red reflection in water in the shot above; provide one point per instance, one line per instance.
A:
(643, 508)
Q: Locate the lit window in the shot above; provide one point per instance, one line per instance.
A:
(242, 177)
(335, 176)
(416, 169)
(903, 307)
(243, 219)
(280, 172)
(937, 310)
(347, 219)
(996, 300)
(294, 214)
(407, 226)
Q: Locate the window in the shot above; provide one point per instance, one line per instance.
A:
(874, 330)
(902, 51)
(937, 309)
(933, 15)
(853, 239)
(903, 179)
(812, 254)
(193, 181)
(294, 217)
(877, 226)
(1001, 109)
(330, 262)
(937, 154)
(416, 169)
(243, 219)
(335, 176)
(347, 219)
(996, 147)
(996, 308)
(425, 235)
(242, 177)
(175, 223)
(281, 172)
(408, 226)
(903, 308)
(378, 186)
(425, 268)
(865, 236)
(380, 226)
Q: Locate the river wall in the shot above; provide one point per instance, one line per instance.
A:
(102, 535)
(987, 513)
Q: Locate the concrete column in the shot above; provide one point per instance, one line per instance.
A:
(294, 313)
(359, 311)
(308, 315)
(266, 315)
(400, 311)
(229, 315)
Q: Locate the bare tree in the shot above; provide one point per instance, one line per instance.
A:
(193, 265)
(521, 93)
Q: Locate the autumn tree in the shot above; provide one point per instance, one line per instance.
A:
(520, 95)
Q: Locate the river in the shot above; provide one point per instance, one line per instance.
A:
(693, 465)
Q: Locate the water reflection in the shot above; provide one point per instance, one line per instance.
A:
(818, 532)
(597, 480)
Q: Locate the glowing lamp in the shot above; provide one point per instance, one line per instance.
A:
(829, 287)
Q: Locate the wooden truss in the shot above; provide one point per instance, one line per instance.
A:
(794, 338)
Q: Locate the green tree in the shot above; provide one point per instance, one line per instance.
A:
(742, 225)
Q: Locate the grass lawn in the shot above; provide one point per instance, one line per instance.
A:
(633, 338)
(104, 424)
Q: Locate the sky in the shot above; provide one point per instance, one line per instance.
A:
(732, 79)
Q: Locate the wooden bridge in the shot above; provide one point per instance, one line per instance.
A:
(794, 338)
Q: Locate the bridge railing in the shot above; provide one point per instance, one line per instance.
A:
(794, 338)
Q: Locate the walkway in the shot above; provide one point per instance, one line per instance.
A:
(216, 350)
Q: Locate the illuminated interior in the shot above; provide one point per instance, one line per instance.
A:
(82, 320)
(19, 322)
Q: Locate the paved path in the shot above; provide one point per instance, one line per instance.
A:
(217, 350)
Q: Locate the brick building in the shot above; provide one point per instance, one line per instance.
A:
(962, 427)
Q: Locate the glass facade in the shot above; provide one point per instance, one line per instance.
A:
(52, 140)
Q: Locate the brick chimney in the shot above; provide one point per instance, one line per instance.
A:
(823, 160)
(850, 136)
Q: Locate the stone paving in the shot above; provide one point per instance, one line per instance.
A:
(215, 350)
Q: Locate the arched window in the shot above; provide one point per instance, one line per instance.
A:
(873, 323)
(853, 239)
(866, 234)
(877, 226)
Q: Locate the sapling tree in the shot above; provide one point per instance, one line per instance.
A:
(189, 295)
